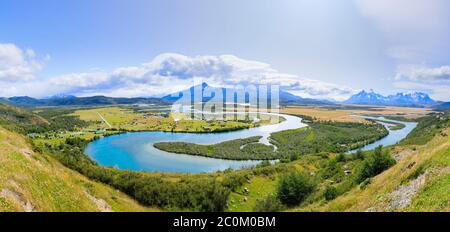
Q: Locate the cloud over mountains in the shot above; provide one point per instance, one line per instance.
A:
(164, 74)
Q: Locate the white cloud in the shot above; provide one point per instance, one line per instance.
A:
(423, 73)
(18, 65)
(433, 80)
(168, 73)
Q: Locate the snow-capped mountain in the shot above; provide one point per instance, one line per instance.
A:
(399, 99)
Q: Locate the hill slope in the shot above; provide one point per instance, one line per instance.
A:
(79, 101)
(418, 182)
(30, 181)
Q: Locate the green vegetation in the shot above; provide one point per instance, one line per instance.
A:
(374, 164)
(391, 125)
(426, 128)
(294, 187)
(314, 174)
(201, 194)
(32, 181)
(327, 137)
(268, 204)
(319, 137)
(238, 149)
(330, 193)
(50, 120)
(131, 119)
(400, 118)
(398, 126)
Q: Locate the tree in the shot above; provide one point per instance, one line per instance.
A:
(359, 154)
(374, 164)
(330, 193)
(294, 187)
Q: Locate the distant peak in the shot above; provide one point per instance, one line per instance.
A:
(59, 96)
(400, 99)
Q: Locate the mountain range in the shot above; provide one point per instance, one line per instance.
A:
(79, 101)
(416, 99)
(370, 97)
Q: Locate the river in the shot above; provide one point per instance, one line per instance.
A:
(135, 151)
(392, 138)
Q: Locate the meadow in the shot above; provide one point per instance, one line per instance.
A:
(129, 119)
(344, 114)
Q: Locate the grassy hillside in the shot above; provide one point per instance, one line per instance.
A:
(30, 181)
(418, 182)
(413, 175)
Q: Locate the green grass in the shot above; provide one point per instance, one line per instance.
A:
(128, 119)
(259, 188)
(434, 197)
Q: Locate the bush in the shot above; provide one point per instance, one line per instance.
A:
(293, 157)
(332, 168)
(359, 155)
(330, 193)
(340, 157)
(294, 187)
(374, 164)
(268, 204)
(264, 163)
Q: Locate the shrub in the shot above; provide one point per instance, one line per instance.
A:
(268, 204)
(359, 155)
(374, 164)
(294, 187)
(293, 157)
(332, 168)
(233, 180)
(330, 193)
(264, 163)
(340, 157)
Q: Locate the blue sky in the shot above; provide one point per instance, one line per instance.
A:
(320, 49)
